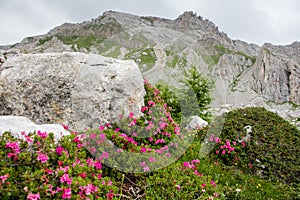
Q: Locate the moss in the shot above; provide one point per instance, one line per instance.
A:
(143, 57)
(294, 105)
(168, 53)
(92, 27)
(222, 49)
(149, 19)
(79, 42)
(44, 40)
(235, 81)
(211, 60)
(252, 58)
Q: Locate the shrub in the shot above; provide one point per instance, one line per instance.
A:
(140, 144)
(39, 167)
(270, 149)
(85, 165)
(194, 98)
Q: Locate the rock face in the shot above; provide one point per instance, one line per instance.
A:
(77, 89)
(17, 124)
(244, 74)
(277, 73)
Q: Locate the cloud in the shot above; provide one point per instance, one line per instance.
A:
(20, 19)
(78, 9)
(284, 17)
(255, 21)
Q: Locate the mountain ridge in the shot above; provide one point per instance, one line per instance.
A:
(246, 74)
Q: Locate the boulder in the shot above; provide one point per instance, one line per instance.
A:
(196, 122)
(77, 89)
(17, 124)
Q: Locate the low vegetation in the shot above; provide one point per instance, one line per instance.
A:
(255, 156)
(144, 57)
(79, 42)
(174, 60)
(44, 40)
(213, 59)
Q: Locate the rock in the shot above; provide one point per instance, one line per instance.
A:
(17, 124)
(248, 129)
(196, 122)
(77, 89)
(277, 75)
(244, 74)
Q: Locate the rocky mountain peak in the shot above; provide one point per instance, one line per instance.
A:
(291, 50)
(190, 20)
(271, 73)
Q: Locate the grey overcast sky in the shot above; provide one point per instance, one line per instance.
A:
(254, 21)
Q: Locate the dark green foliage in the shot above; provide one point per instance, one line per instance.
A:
(195, 98)
(231, 182)
(44, 40)
(170, 96)
(273, 141)
(273, 148)
(200, 87)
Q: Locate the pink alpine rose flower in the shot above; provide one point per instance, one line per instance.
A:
(33, 196)
(43, 135)
(3, 178)
(66, 178)
(43, 158)
(67, 193)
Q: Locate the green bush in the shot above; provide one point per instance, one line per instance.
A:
(85, 165)
(195, 97)
(270, 150)
(179, 182)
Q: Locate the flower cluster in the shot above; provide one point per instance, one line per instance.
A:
(60, 171)
(223, 148)
(15, 150)
(207, 187)
(149, 132)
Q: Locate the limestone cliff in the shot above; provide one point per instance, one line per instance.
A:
(244, 74)
(277, 73)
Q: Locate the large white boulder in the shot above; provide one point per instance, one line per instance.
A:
(17, 124)
(77, 89)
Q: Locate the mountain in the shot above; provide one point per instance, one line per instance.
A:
(244, 74)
